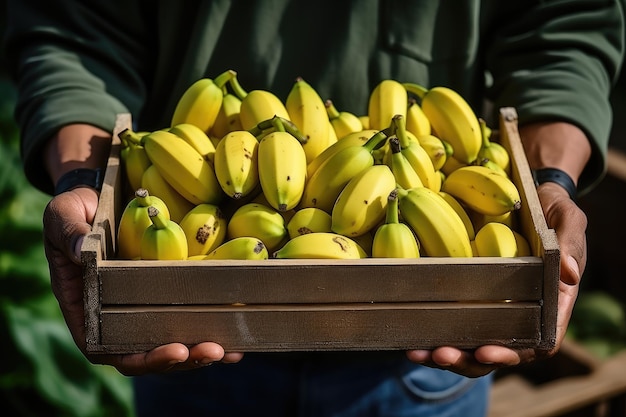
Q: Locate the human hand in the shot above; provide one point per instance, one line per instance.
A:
(570, 223)
(67, 219)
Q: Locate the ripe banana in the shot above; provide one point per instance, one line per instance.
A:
(308, 220)
(488, 163)
(307, 111)
(451, 165)
(363, 201)
(483, 190)
(258, 106)
(227, 119)
(523, 247)
(386, 100)
(201, 102)
(183, 167)
(493, 151)
(481, 219)
(365, 121)
(357, 138)
(416, 121)
(320, 245)
(435, 149)
(164, 239)
(496, 239)
(194, 136)
(342, 122)
(394, 239)
(438, 227)
(156, 185)
(282, 169)
(451, 118)
(236, 163)
(258, 221)
(240, 248)
(403, 171)
(134, 158)
(205, 228)
(463, 214)
(134, 221)
(324, 186)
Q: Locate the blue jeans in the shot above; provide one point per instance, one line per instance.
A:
(346, 384)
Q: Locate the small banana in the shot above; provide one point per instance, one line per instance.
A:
(227, 119)
(236, 163)
(363, 201)
(282, 169)
(488, 163)
(451, 118)
(155, 183)
(403, 171)
(438, 227)
(240, 248)
(133, 156)
(416, 121)
(342, 122)
(365, 121)
(164, 239)
(493, 151)
(435, 149)
(387, 99)
(201, 102)
(496, 239)
(205, 228)
(194, 136)
(483, 190)
(326, 183)
(463, 214)
(307, 111)
(258, 221)
(183, 167)
(451, 165)
(320, 245)
(523, 247)
(134, 221)
(260, 105)
(394, 239)
(308, 220)
(481, 219)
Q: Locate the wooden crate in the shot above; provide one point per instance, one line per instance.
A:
(316, 305)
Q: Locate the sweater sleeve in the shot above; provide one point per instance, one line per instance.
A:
(73, 62)
(559, 61)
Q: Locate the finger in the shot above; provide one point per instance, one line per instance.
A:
(158, 360)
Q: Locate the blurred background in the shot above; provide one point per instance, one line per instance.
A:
(43, 373)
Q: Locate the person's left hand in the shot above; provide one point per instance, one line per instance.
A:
(570, 223)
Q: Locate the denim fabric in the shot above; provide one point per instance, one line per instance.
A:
(357, 384)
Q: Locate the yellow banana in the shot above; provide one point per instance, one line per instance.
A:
(227, 119)
(240, 248)
(260, 105)
(481, 219)
(488, 163)
(201, 102)
(496, 239)
(133, 155)
(363, 201)
(523, 247)
(357, 138)
(154, 182)
(493, 151)
(451, 165)
(463, 214)
(236, 163)
(435, 149)
(134, 222)
(324, 186)
(387, 99)
(451, 119)
(164, 239)
(343, 122)
(365, 121)
(282, 169)
(194, 136)
(403, 171)
(183, 167)
(483, 190)
(258, 221)
(394, 239)
(438, 227)
(205, 228)
(416, 121)
(320, 245)
(307, 111)
(308, 220)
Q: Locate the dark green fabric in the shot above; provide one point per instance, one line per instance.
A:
(87, 61)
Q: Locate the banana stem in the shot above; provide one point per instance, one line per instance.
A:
(237, 88)
(399, 125)
(394, 144)
(224, 78)
(128, 136)
(416, 89)
(332, 111)
(158, 219)
(278, 124)
(141, 194)
(391, 215)
(376, 140)
(485, 132)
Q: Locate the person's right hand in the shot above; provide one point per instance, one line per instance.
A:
(67, 219)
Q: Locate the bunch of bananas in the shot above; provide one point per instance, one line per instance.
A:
(245, 175)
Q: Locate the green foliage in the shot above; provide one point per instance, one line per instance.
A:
(43, 372)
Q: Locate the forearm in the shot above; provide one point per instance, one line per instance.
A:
(76, 146)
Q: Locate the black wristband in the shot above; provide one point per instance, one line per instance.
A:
(82, 176)
(557, 176)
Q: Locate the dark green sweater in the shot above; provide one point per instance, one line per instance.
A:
(85, 61)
